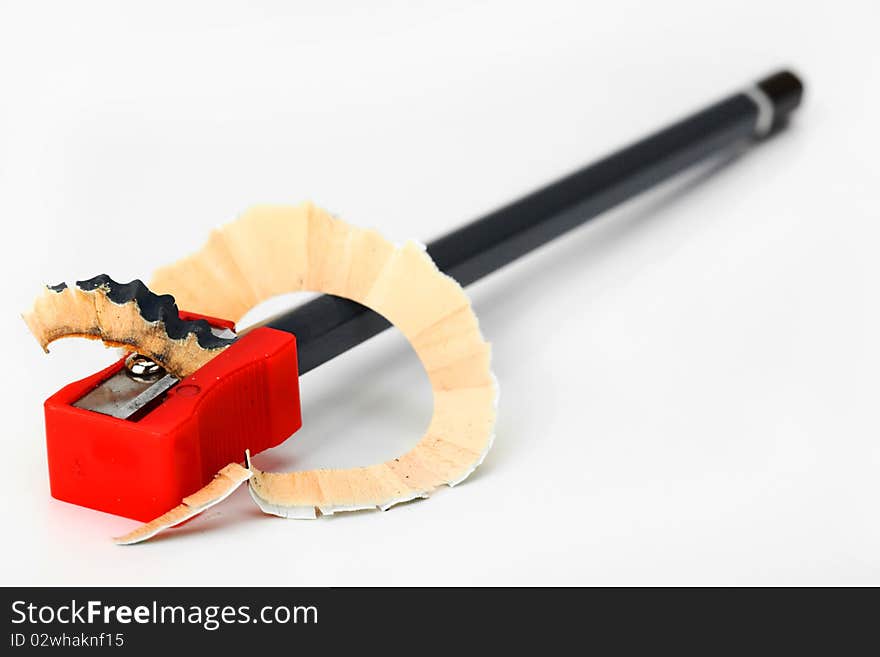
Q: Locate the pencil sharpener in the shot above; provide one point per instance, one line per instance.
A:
(134, 441)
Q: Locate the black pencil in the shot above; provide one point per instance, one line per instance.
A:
(328, 326)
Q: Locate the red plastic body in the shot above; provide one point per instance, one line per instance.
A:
(245, 398)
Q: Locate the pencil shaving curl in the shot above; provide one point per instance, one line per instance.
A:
(126, 315)
(222, 486)
(276, 250)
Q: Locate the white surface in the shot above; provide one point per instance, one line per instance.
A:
(688, 387)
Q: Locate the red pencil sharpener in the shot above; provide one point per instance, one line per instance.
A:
(142, 465)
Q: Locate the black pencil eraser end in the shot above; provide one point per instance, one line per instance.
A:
(785, 91)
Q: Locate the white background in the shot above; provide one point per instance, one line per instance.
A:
(688, 386)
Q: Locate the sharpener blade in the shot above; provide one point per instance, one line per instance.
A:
(121, 395)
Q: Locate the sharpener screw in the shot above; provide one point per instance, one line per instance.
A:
(141, 368)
